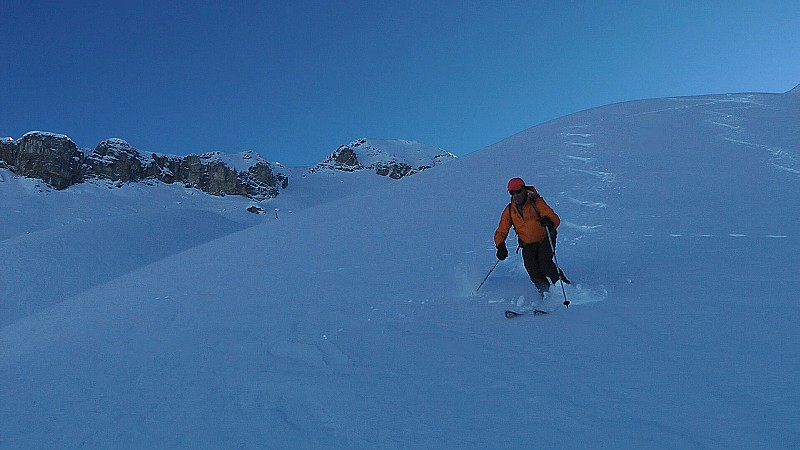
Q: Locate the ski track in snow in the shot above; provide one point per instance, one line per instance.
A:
(787, 169)
(735, 133)
(584, 163)
(734, 235)
(588, 204)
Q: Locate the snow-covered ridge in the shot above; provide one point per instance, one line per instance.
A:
(394, 158)
(414, 153)
(45, 133)
(56, 159)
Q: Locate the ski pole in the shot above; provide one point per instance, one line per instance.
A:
(555, 259)
(487, 276)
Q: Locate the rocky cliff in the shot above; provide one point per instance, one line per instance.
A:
(56, 160)
(50, 157)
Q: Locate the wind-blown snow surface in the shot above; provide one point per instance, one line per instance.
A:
(353, 323)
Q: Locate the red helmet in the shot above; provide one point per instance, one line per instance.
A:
(515, 184)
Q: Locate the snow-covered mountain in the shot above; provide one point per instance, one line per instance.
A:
(392, 158)
(56, 160)
(350, 318)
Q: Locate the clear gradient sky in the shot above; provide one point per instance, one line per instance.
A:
(294, 79)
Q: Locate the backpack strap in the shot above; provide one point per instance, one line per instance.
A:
(533, 203)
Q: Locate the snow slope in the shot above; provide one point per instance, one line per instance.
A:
(353, 323)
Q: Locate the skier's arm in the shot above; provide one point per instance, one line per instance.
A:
(503, 228)
(547, 211)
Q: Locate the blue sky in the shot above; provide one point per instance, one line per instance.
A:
(293, 80)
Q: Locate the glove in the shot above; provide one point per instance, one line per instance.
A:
(547, 222)
(502, 251)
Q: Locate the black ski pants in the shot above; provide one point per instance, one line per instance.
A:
(538, 259)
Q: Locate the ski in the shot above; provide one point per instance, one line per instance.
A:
(536, 312)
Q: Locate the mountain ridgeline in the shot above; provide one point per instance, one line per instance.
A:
(56, 160)
(395, 158)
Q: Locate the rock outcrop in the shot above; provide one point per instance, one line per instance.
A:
(49, 157)
(56, 160)
(116, 160)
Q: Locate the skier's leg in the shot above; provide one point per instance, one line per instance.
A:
(531, 258)
(546, 264)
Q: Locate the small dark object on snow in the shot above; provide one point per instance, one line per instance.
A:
(536, 312)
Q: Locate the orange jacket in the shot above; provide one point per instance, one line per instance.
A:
(527, 224)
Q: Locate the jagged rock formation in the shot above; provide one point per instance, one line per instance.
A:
(392, 158)
(116, 160)
(56, 160)
(50, 157)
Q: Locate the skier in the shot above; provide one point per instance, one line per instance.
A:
(529, 215)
